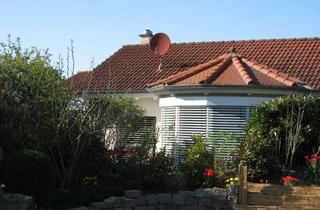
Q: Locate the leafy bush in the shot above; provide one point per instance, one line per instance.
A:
(141, 167)
(29, 172)
(260, 156)
(32, 93)
(194, 162)
(269, 132)
(160, 174)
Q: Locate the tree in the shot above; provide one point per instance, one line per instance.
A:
(293, 126)
(36, 111)
(32, 95)
(77, 128)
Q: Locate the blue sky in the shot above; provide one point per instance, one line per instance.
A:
(99, 28)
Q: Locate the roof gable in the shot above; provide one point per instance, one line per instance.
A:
(230, 69)
(132, 67)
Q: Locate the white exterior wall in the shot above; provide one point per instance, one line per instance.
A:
(151, 107)
(212, 101)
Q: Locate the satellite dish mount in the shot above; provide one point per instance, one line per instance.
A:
(160, 45)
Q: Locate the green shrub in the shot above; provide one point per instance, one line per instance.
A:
(160, 173)
(229, 143)
(267, 132)
(29, 172)
(260, 156)
(194, 162)
(32, 94)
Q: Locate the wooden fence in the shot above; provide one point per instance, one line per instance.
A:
(269, 196)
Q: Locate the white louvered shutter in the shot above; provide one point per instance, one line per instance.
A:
(145, 126)
(225, 123)
(191, 121)
(168, 129)
(180, 123)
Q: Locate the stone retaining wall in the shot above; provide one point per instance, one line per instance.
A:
(200, 199)
(10, 201)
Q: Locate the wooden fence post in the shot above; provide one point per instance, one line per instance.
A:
(243, 183)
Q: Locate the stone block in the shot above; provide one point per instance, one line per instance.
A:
(132, 193)
(184, 208)
(187, 193)
(178, 199)
(204, 193)
(206, 202)
(191, 208)
(114, 202)
(191, 201)
(164, 198)
(219, 193)
(198, 208)
(145, 208)
(171, 207)
(129, 202)
(160, 207)
(220, 204)
(124, 208)
(141, 201)
(152, 199)
(79, 208)
(11, 201)
(98, 205)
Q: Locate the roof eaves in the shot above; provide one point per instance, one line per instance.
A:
(228, 89)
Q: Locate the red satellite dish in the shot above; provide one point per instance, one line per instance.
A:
(160, 44)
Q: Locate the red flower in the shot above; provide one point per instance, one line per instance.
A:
(209, 172)
(288, 179)
(312, 158)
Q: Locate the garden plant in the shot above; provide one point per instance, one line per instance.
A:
(279, 135)
(52, 137)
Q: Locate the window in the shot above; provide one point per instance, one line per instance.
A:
(145, 126)
(226, 124)
(178, 124)
(168, 129)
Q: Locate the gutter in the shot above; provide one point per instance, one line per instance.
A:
(129, 94)
(229, 90)
(164, 91)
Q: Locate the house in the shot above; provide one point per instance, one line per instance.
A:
(205, 87)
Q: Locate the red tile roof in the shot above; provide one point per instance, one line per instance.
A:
(81, 80)
(230, 69)
(132, 67)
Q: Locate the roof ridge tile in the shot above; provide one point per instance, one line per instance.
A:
(242, 71)
(273, 73)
